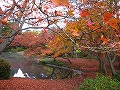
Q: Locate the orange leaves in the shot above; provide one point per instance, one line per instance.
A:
(85, 13)
(84, 1)
(59, 45)
(114, 23)
(95, 27)
(73, 28)
(56, 2)
(58, 13)
(104, 40)
(4, 21)
(107, 16)
(60, 2)
(64, 2)
(70, 12)
(75, 32)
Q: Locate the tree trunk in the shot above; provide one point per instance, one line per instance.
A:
(111, 64)
(102, 66)
(5, 43)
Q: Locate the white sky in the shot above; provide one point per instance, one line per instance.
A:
(60, 23)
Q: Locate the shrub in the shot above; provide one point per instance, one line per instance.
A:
(119, 66)
(101, 82)
(4, 69)
(117, 76)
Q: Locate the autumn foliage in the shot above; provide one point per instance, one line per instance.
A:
(90, 25)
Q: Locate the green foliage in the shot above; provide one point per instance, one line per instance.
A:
(119, 66)
(117, 75)
(4, 69)
(82, 54)
(101, 82)
(14, 49)
(5, 30)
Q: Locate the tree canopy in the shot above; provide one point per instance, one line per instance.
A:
(91, 25)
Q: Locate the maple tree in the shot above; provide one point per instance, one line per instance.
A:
(97, 31)
(90, 25)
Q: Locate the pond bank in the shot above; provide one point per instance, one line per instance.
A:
(47, 84)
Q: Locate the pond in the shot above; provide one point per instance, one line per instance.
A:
(29, 68)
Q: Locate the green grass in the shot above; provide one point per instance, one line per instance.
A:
(51, 61)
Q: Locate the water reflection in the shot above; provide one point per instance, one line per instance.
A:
(49, 73)
(19, 73)
(30, 68)
(58, 73)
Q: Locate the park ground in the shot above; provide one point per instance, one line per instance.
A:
(89, 68)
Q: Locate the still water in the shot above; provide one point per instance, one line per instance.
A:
(29, 68)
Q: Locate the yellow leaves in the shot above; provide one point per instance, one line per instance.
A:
(113, 22)
(75, 32)
(60, 2)
(56, 2)
(55, 20)
(70, 12)
(102, 4)
(83, 0)
(59, 45)
(73, 28)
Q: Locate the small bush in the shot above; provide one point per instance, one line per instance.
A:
(117, 75)
(119, 66)
(101, 82)
(4, 69)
